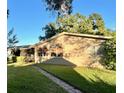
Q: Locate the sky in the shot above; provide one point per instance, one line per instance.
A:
(28, 17)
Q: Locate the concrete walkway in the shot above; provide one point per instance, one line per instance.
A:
(64, 85)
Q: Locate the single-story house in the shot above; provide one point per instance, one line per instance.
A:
(20, 50)
(78, 49)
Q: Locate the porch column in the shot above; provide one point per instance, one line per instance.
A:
(36, 55)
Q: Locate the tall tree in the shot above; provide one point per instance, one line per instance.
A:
(7, 13)
(12, 39)
(75, 23)
(61, 7)
(50, 30)
(98, 22)
(41, 38)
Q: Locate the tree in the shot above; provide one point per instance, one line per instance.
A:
(11, 39)
(7, 13)
(97, 22)
(42, 38)
(61, 7)
(109, 48)
(110, 32)
(50, 30)
(75, 23)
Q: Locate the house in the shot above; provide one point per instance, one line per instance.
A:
(80, 49)
(18, 50)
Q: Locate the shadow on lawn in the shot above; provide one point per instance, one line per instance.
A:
(59, 61)
(75, 79)
(72, 77)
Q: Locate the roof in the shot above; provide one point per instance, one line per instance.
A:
(74, 34)
(23, 46)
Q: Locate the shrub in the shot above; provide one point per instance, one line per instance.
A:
(20, 58)
(14, 59)
(11, 59)
(109, 57)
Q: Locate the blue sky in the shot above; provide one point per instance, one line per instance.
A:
(29, 16)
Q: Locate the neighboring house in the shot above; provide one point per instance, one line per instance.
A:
(79, 49)
(18, 50)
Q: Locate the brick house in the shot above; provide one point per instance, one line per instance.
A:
(79, 49)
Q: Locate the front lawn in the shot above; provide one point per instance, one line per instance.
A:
(86, 79)
(26, 79)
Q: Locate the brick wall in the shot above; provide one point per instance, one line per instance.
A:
(81, 51)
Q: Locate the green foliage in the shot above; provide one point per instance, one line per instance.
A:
(109, 48)
(97, 22)
(61, 7)
(93, 24)
(11, 39)
(41, 38)
(11, 59)
(8, 13)
(14, 59)
(50, 30)
(20, 58)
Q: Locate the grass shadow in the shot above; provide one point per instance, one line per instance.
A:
(59, 61)
(87, 82)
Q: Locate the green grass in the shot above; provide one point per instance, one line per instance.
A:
(26, 79)
(86, 79)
